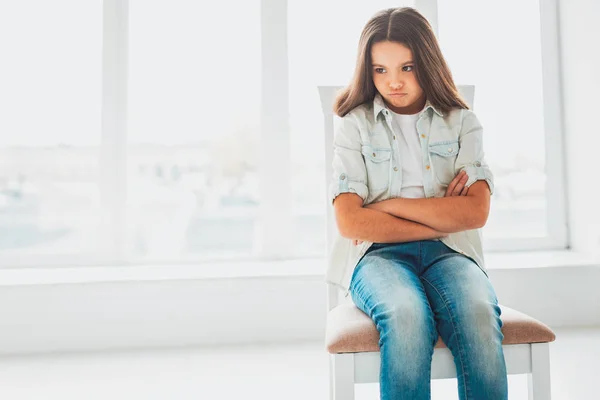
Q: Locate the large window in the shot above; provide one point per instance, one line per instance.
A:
(173, 131)
(50, 99)
(194, 97)
(500, 52)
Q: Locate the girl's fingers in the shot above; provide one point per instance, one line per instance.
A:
(454, 188)
(461, 185)
(452, 185)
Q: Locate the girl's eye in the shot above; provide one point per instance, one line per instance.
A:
(380, 70)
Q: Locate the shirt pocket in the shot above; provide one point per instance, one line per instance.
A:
(377, 162)
(443, 157)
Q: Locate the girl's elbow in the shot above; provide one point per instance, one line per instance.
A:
(345, 229)
(481, 219)
(344, 232)
(472, 221)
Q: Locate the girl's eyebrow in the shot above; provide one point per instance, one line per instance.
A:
(379, 65)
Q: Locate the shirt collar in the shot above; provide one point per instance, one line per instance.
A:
(379, 106)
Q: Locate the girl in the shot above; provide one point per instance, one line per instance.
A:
(411, 191)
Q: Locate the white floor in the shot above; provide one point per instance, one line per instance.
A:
(251, 372)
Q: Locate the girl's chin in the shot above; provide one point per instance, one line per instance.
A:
(399, 99)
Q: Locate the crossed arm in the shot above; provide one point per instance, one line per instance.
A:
(446, 214)
(401, 220)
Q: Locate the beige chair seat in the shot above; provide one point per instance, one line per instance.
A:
(349, 330)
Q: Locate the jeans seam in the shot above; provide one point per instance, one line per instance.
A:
(420, 259)
(460, 350)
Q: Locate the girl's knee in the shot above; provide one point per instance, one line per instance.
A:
(481, 325)
(411, 322)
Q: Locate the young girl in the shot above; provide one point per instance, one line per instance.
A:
(411, 191)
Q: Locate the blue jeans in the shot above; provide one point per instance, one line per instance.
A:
(415, 290)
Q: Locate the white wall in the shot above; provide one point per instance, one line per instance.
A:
(40, 318)
(181, 312)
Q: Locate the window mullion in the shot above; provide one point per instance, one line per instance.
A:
(429, 9)
(113, 163)
(553, 125)
(274, 234)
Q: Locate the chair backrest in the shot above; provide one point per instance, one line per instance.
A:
(327, 95)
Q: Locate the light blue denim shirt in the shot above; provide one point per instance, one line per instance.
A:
(367, 162)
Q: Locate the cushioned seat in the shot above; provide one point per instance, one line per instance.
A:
(349, 330)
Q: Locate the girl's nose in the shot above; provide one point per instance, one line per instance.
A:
(396, 84)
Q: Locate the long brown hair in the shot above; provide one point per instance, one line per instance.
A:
(410, 28)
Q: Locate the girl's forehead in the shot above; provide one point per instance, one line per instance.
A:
(390, 52)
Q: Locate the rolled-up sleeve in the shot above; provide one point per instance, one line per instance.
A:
(471, 156)
(349, 171)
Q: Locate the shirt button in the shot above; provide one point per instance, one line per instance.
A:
(395, 168)
(427, 167)
(394, 137)
(423, 135)
(477, 164)
(374, 155)
(343, 176)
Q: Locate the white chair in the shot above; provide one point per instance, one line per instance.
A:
(352, 338)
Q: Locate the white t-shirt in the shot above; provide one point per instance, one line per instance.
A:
(411, 157)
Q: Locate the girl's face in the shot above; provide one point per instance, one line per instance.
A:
(395, 79)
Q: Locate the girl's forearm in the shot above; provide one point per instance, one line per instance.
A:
(446, 214)
(380, 227)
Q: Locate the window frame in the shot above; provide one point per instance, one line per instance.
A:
(274, 236)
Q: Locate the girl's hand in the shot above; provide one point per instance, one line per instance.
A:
(457, 186)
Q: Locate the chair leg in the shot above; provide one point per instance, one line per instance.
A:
(331, 380)
(538, 380)
(341, 378)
